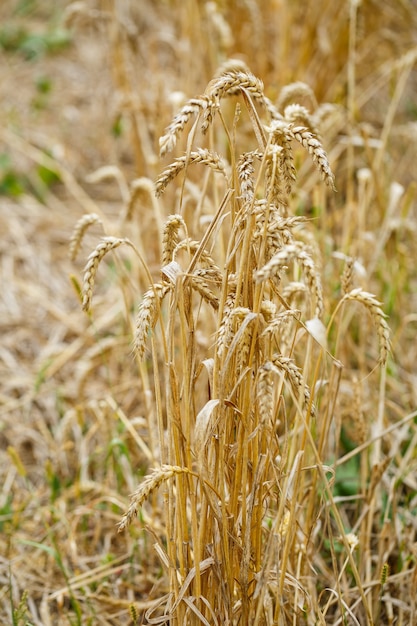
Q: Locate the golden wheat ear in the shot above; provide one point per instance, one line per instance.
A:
(374, 307)
(152, 482)
(79, 231)
(205, 157)
(147, 315)
(193, 107)
(90, 270)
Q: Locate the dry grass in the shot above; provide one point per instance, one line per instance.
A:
(232, 372)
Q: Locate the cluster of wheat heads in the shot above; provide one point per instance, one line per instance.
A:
(244, 382)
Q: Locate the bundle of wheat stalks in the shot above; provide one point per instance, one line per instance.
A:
(243, 355)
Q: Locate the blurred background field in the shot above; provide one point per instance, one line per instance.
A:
(86, 90)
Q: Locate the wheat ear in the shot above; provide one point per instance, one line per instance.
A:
(297, 114)
(79, 231)
(313, 146)
(200, 284)
(224, 331)
(204, 259)
(264, 396)
(205, 157)
(232, 65)
(138, 186)
(295, 376)
(278, 262)
(230, 84)
(275, 324)
(151, 483)
(192, 107)
(379, 317)
(90, 270)
(346, 279)
(245, 170)
(279, 229)
(170, 237)
(295, 91)
(147, 315)
(287, 163)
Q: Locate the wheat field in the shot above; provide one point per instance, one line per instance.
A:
(208, 400)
